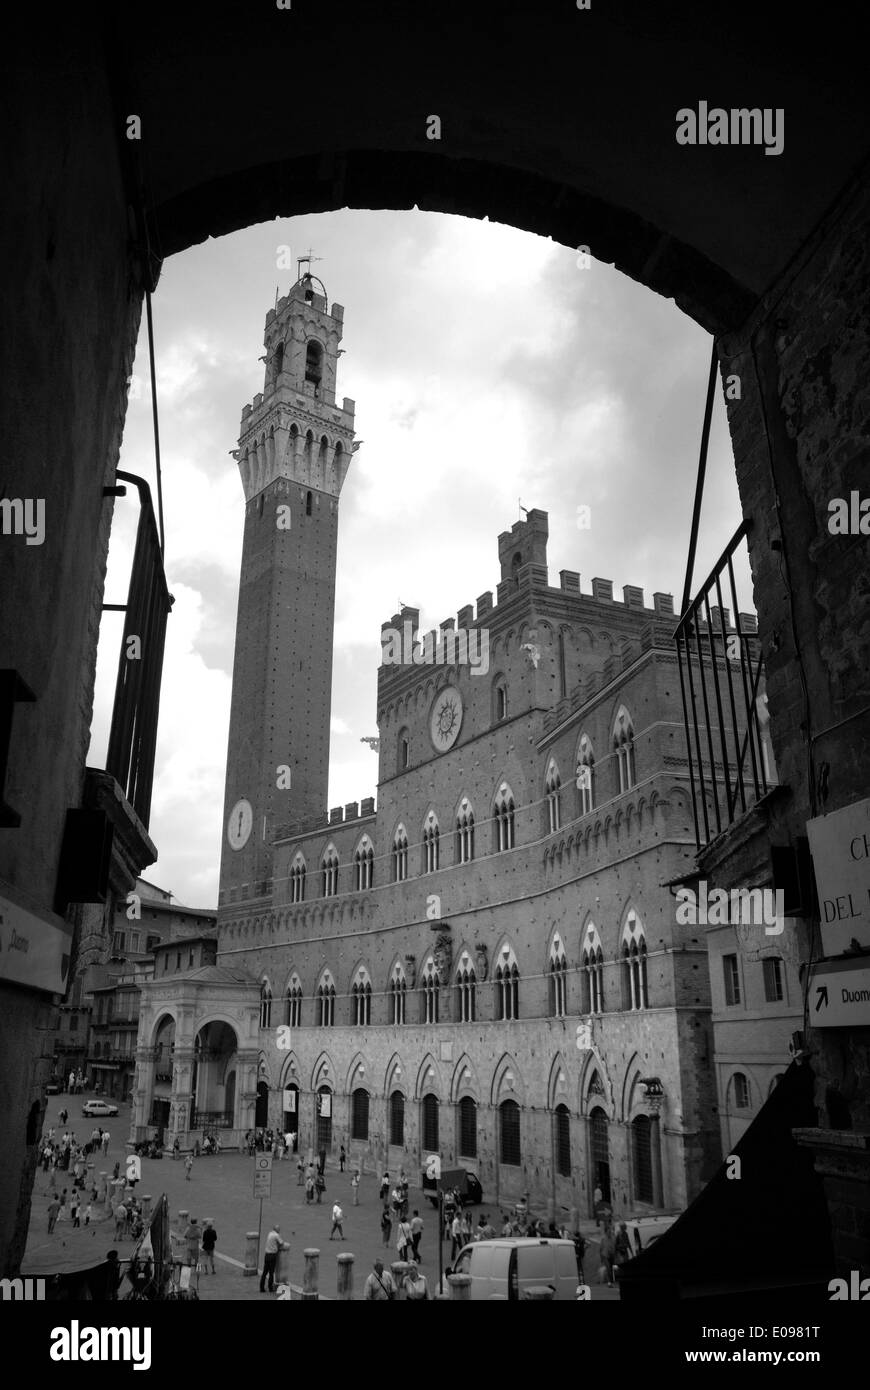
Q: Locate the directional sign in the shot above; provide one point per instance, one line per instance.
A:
(840, 846)
(34, 946)
(840, 994)
(262, 1175)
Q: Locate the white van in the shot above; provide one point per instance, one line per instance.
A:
(506, 1268)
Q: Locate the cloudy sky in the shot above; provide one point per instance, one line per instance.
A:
(488, 367)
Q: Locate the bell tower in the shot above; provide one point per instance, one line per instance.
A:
(295, 447)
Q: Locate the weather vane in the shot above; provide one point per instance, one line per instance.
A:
(308, 259)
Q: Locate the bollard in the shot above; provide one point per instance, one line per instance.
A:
(146, 1209)
(539, 1292)
(310, 1275)
(252, 1251)
(345, 1276)
(101, 1191)
(399, 1269)
(460, 1287)
(282, 1267)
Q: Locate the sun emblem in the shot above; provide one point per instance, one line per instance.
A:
(448, 716)
(446, 719)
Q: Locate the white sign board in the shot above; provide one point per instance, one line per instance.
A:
(34, 951)
(290, 1100)
(840, 994)
(840, 846)
(263, 1175)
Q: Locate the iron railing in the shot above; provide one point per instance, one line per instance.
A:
(212, 1119)
(722, 686)
(133, 736)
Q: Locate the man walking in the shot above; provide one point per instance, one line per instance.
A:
(321, 1161)
(191, 1235)
(341, 1159)
(455, 1236)
(274, 1243)
(209, 1240)
(105, 1141)
(354, 1182)
(416, 1233)
(337, 1218)
(386, 1224)
(188, 1165)
(53, 1209)
(380, 1284)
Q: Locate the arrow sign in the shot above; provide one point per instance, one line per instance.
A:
(842, 993)
(822, 993)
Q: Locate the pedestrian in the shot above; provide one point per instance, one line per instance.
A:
(191, 1235)
(386, 1224)
(455, 1236)
(415, 1285)
(607, 1254)
(53, 1209)
(320, 1184)
(623, 1251)
(416, 1233)
(354, 1182)
(403, 1240)
(72, 1083)
(309, 1188)
(89, 1211)
(466, 1227)
(74, 1211)
(337, 1218)
(341, 1158)
(274, 1243)
(507, 1229)
(176, 1148)
(321, 1161)
(106, 1137)
(209, 1241)
(117, 1170)
(300, 1173)
(380, 1284)
(579, 1251)
(63, 1116)
(385, 1186)
(188, 1166)
(279, 1147)
(120, 1221)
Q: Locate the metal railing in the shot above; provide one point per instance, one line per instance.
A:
(721, 683)
(212, 1119)
(133, 736)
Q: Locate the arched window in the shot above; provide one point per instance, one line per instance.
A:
(466, 989)
(509, 1133)
(313, 362)
(329, 872)
(324, 1118)
(429, 989)
(516, 563)
(297, 879)
(359, 1114)
(503, 813)
(309, 497)
(265, 1005)
(398, 993)
(397, 1119)
(741, 1091)
(294, 1002)
(507, 985)
(325, 1000)
(599, 1147)
(585, 772)
(363, 864)
(623, 744)
(465, 832)
(553, 785)
(635, 992)
(431, 844)
(400, 855)
(430, 1123)
(279, 360)
(499, 699)
(641, 1149)
(558, 979)
(563, 1141)
(403, 751)
(468, 1127)
(361, 999)
(593, 972)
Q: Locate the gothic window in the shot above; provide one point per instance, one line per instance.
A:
(634, 971)
(297, 880)
(554, 797)
(359, 1114)
(361, 999)
(430, 1123)
(397, 1119)
(325, 999)
(313, 362)
(623, 745)
(265, 1005)
(465, 832)
(431, 844)
(429, 989)
(324, 1117)
(279, 360)
(294, 1002)
(504, 818)
(509, 1133)
(398, 994)
(466, 989)
(741, 1091)
(468, 1127)
(329, 866)
(641, 1147)
(403, 759)
(400, 855)
(309, 499)
(363, 864)
(558, 979)
(506, 983)
(585, 773)
(499, 699)
(563, 1141)
(593, 972)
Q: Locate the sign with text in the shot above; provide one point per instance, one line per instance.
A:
(34, 950)
(840, 846)
(840, 994)
(263, 1175)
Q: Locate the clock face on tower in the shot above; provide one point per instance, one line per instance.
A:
(241, 819)
(445, 720)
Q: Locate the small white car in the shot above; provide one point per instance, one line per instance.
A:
(99, 1107)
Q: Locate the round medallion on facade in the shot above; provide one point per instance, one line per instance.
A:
(445, 720)
(239, 824)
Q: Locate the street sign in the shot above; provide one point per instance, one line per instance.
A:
(840, 994)
(840, 846)
(34, 950)
(263, 1175)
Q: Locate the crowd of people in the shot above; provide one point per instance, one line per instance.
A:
(271, 1141)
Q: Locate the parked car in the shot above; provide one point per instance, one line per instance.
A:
(99, 1107)
(53, 1088)
(506, 1268)
(454, 1179)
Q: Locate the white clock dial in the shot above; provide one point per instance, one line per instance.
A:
(445, 720)
(239, 825)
